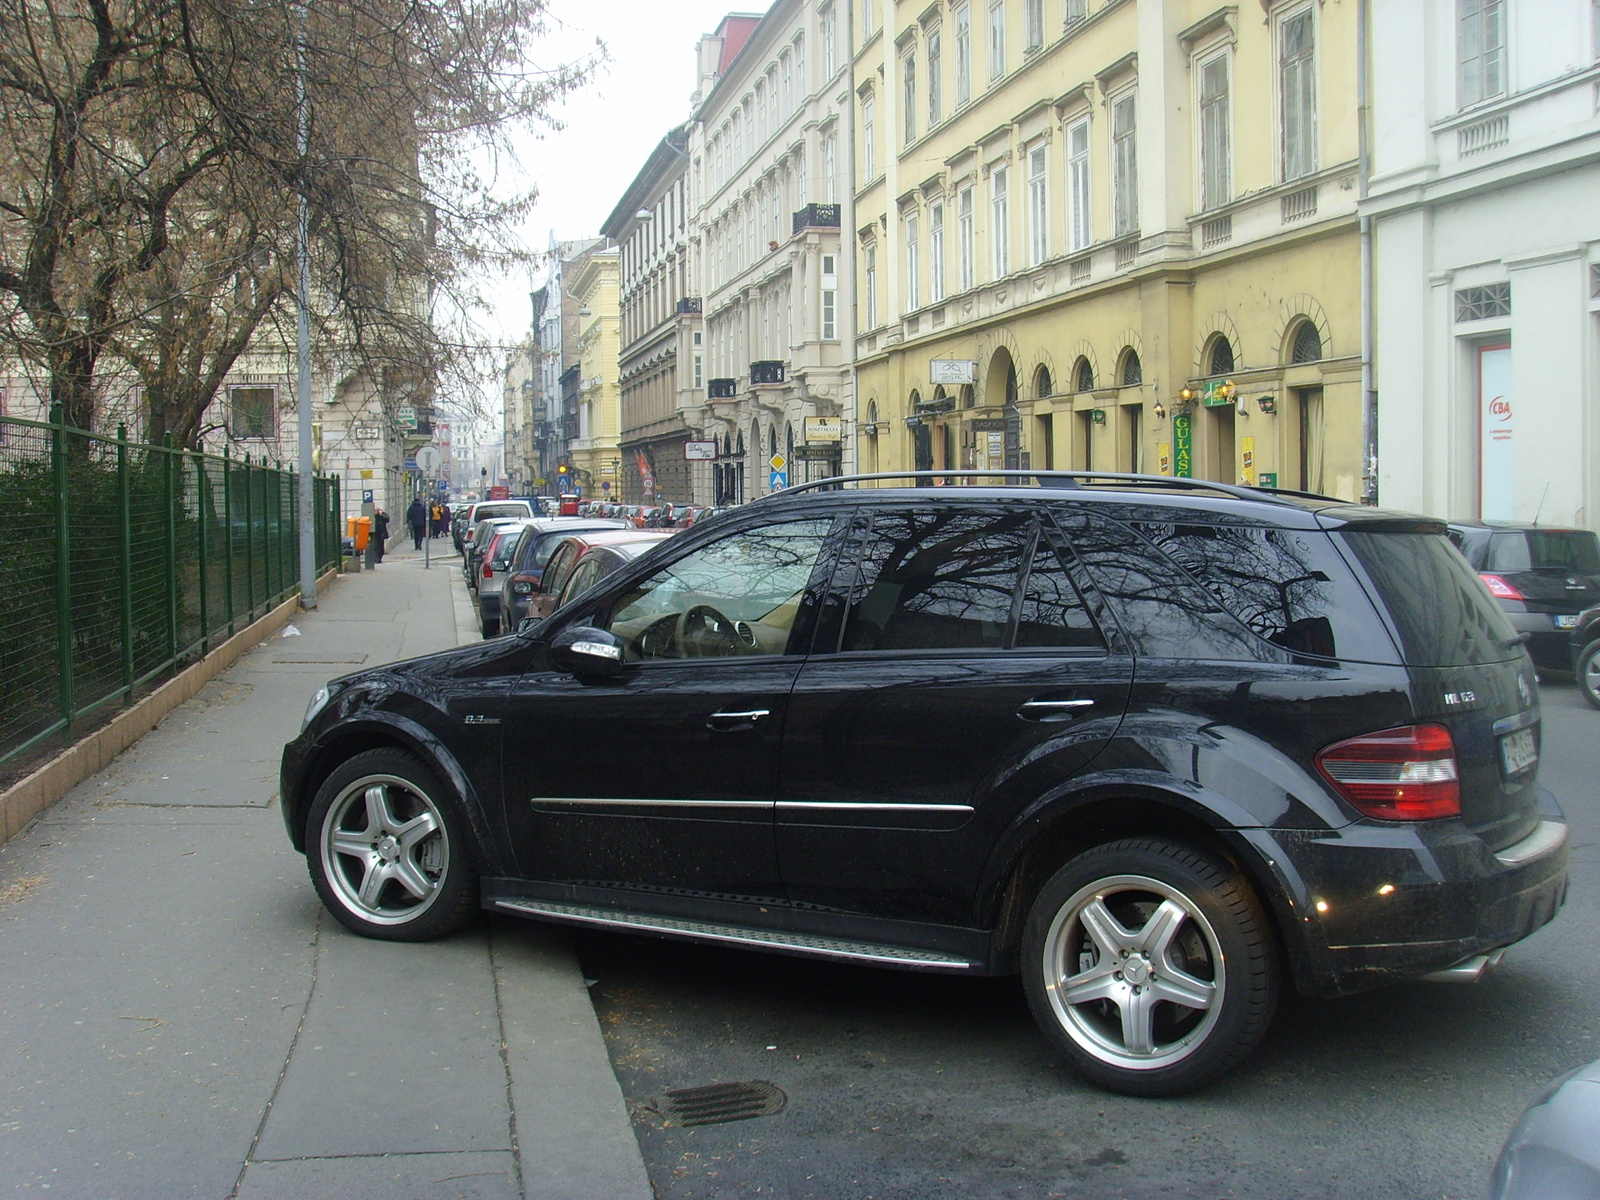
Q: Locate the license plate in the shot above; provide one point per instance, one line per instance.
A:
(1518, 751)
(1567, 621)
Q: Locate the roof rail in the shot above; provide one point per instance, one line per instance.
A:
(1063, 479)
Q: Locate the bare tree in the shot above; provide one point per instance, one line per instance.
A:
(152, 156)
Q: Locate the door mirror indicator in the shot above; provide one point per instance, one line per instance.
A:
(586, 651)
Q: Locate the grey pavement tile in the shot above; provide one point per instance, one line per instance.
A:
(400, 1052)
(153, 978)
(491, 1176)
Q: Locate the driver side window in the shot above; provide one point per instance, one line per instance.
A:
(740, 595)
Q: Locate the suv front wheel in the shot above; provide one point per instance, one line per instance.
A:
(1150, 965)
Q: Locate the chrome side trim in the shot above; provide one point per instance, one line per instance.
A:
(598, 802)
(1547, 837)
(846, 806)
(738, 935)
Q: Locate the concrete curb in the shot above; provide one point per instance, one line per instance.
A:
(25, 800)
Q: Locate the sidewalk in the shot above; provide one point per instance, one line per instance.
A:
(179, 1017)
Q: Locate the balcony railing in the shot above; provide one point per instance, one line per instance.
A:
(688, 306)
(768, 370)
(817, 216)
(722, 389)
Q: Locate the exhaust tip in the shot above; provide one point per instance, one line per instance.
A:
(1468, 970)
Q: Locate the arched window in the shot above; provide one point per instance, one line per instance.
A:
(969, 395)
(727, 445)
(872, 416)
(1011, 385)
(1307, 343)
(1083, 375)
(1132, 369)
(788, 434)
(739, 452)
(772, 439)
(1042, 384)
(1221, 357)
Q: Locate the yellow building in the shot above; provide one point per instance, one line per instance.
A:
(593, 454)
(1071, 213)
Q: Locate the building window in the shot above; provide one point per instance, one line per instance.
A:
(830, 298)
(1481, 51)
(908, 67)
(1297, 94)
(830, 39)
(935, 82)
(1033, 12)
(1132, 368)
(1124, 164)
(830, 164)
(761, 130)
(788, 85)
(964, 238)
(1307, 344)
(1083, 375)
(1483, 303)
(1078, 184)
(872, 286)
(869, 161)
(1216, 167)
(913, 265)
(866, 22)
(1221, 362)
(1038, 208)
(936, 251)
(699, 360)
(254, 412)
(1077, 10)
(1000, 220)
(963, 17)
(997, 39)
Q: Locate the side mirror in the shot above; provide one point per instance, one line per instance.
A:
(587, 652)
(529, 624)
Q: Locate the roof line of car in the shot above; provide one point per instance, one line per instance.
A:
(1068, 481)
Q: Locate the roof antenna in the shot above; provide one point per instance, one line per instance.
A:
(1540, 509)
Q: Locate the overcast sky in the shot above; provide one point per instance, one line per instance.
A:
(610, 127)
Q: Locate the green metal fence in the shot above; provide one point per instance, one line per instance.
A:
(123, 561)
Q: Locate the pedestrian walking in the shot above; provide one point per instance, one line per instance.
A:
(417, 518)
(444, 519)
(380, 529)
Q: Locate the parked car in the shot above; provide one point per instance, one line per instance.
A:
(529, 555)
(1585, 649)
(1161, 746)
(466, 517)
(1553, 1153)
(1542, 576)
(604, 559)
(472, 555)
(570, 551)
(494, 568)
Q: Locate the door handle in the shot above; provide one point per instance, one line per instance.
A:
(728, 721)
(1052, 710)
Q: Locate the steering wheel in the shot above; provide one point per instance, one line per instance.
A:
(660, 638)
(703, 632)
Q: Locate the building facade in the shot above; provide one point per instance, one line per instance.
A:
(594, 455)
(663, 351)
(1111, 235)
(769, 147)
(1486, 169)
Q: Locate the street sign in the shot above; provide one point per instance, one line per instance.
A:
(605, 485)
(366, 433)
(1216, 393)
(366, 495)
(429, 459)
(778, 480)
(952, 371)
(777, 462)
(367, 473)
(407, 416)
(823, 429)
(700, 451)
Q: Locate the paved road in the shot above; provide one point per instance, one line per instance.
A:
(919, 1086)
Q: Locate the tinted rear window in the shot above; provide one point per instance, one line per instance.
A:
(514, 509)
(1557, 550)
(1441, 611)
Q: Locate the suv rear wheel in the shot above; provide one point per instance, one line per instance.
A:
(1588, 673)
(386, 851)
(1150, 966)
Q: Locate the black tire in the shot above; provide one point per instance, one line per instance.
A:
(489, 625)
(1212, 943)
(1586, 670)
(404, 873)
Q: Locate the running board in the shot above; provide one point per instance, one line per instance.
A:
(738, 935)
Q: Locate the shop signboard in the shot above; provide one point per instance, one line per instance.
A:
(700, 451)
(1247, 461)
(823, 429)
(1497, 446)
(952, 371)
(1183, 445)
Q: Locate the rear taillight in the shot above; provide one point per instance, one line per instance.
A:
(488, 571)
(1404, 774)
(1499, 588)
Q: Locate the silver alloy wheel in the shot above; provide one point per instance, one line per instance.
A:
(1134, 972)
(385, 848)
(1591, 674)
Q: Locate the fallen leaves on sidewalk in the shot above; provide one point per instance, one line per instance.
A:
(20, 889)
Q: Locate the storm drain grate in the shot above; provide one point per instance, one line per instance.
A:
(716, 1102)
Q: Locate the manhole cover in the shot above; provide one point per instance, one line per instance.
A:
(715, 1103)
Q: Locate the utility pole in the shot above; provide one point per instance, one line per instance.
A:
(304, 501)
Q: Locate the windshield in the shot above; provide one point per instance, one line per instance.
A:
(1545, 549)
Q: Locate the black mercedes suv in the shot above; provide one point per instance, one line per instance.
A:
(1161, 746)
